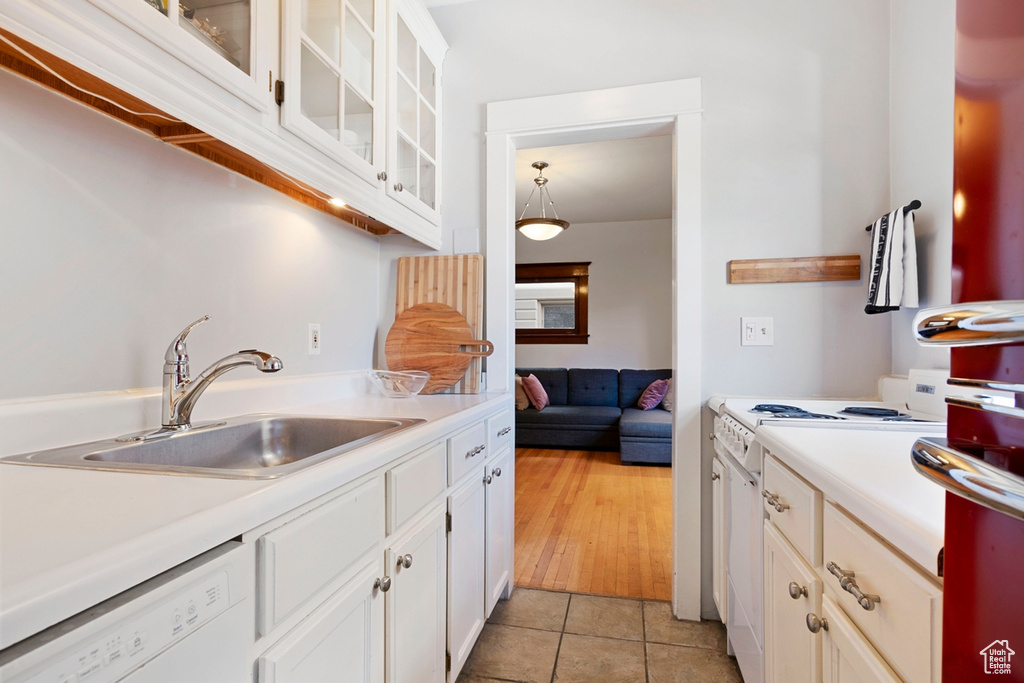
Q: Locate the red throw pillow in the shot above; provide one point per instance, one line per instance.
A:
(535, 392)
(653, 394)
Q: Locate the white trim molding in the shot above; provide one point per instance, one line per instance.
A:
(674, 108)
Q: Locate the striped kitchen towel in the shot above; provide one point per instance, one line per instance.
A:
(894, 263)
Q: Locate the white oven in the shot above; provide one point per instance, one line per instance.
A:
(192, 623)
(916, 404)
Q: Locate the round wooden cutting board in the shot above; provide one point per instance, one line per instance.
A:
(435, 338)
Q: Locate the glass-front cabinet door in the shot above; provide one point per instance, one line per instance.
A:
(414, 126)
(224, 41)
(333, 80)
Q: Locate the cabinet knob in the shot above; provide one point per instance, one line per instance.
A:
(496, 471)
(816, 623)
(796, 591)
(405, 561)
(382, 176)
(715, 476)
(398, 187)
(488, 479)
(383, 584)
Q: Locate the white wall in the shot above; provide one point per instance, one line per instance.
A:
(795, 151)
(630, 297)
(921, 156)
(114, 241)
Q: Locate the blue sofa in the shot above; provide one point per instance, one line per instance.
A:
(595, 409)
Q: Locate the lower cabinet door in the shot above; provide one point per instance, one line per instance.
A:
(501, 494)
(466, 569)
(342, 640)
(847, 657)
(416, 602)
(719, 524)
(792, 654)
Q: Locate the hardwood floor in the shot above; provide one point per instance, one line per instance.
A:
(585, 523)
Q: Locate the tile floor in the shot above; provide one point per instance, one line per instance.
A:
(542, 636)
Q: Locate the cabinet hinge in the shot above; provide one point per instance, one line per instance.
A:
(447, 661)
(447, 521)
(279, 92)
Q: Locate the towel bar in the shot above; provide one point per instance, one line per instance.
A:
(912, 206)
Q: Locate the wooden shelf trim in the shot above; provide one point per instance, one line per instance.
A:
(809, 269)
(79, 85)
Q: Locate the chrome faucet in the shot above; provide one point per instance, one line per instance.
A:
(180, 393)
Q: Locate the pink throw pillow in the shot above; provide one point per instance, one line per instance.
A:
(653, 394)
(535, 392)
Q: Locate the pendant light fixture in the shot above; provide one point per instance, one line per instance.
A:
(543, 227)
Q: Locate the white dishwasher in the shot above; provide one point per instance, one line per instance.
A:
(192, 623)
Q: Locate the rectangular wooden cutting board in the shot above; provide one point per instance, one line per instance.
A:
(457, 281)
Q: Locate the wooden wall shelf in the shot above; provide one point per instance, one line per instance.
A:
(810, 269)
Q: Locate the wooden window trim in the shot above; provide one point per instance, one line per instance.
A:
(577, 272)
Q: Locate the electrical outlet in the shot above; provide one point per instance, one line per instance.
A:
(314, 339)
(757, 331)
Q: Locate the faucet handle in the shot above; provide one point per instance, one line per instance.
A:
(177, 352)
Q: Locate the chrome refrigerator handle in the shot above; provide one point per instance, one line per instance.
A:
(971, 324)
(969, 477)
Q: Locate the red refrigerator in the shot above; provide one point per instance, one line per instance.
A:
(982, 460)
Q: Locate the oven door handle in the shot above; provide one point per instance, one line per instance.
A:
(969, 477)
(971, 324)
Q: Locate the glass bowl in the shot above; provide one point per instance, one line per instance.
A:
(395, 384)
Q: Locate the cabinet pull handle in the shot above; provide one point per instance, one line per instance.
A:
(816, 623)
(848, 584)
(405, 561)
(496, 471)
(398, 187)
(475, 451)
(505, 431)
(796, 591)
(773, 500)
(384, 585)
(382, 176)
(715, 476)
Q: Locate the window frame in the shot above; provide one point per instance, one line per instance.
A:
(577, 272)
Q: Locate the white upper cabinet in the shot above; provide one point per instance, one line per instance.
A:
(229, 42)
(358, 83)
(414, 110)
(332, 65)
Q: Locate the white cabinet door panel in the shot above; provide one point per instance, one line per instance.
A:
(501, 493)
(343, 640)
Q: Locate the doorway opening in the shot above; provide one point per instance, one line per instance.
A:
(587, 522)
(671, 108)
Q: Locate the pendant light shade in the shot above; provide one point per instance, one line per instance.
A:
(542, 227)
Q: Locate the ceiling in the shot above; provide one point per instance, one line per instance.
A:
(601, 182)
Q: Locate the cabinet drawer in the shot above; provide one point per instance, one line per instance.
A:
(297, 560)
(794, 506)
(466, 450)
(904, 626)
(415, 483)
(499, 431)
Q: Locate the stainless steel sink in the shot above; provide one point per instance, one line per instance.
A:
(250, 447)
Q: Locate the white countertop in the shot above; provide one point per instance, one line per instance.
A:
(869, 473)
(72, 538)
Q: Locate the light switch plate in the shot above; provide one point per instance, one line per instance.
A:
(757, 331)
